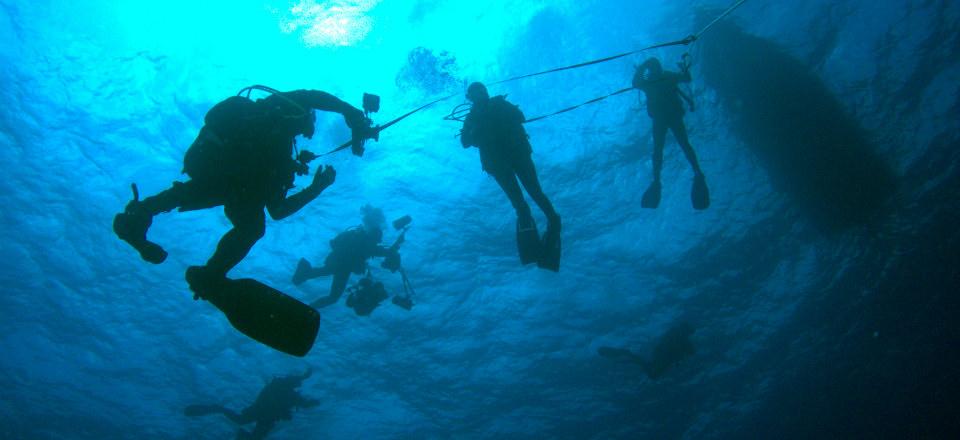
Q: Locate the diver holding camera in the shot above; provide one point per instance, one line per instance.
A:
(368, 293)
(350, 251)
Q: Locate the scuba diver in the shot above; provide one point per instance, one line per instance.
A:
(276, 402)
(672, 347)
(349, 252)
(495, 127)
(242, 160)
(666, 110)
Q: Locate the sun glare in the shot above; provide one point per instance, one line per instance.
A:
(329, 23)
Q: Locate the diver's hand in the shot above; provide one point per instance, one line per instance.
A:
(468, 135)
(324, 178)
(360, 135)
(357, 141)
(360, 128)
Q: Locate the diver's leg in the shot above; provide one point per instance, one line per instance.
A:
(527, 173)
(233, 416)
(659, 138)
(306, 272)
(322, 271)
(132, 224)
(166, 201)
(508, 182)
(248, 227)
(248, 415)
(680, 133)
(337, 286)
(699, 194)
(651, 197)
(203, 410)
(528, 238)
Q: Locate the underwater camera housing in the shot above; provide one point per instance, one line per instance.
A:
(392, 261)
(371, 103)
(365, 296)
(402, 222)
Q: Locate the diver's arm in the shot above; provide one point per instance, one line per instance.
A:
(638, 81)
(680, 77)
(468, 134)
(382, 251)
(283, 207)
(324, 101)
(466, 138)
(357, 121)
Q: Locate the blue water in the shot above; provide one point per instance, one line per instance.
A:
(822, 282)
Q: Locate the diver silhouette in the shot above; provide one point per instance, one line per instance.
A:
(664, 107)
(672, 347)
(276, 401)
(495, 127)
(242, 160)
(349, 252)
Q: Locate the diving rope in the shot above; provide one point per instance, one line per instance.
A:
(578, 105)
(719, 17)
(684, 42)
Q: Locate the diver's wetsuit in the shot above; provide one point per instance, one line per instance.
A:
(250, 167)
(495, 127)
(350, 251)
(243, 193)
(666, 110)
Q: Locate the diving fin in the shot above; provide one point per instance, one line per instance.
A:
(528, 240)
(131, 226)
(550, 252)
(303, 269)
(699, 194)
(651, 197)
(261, 312)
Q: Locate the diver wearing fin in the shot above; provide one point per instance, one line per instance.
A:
(350, 251)
(666, 110)
(495, 127)
(242, 160)
(276, 401)
(672, 348)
